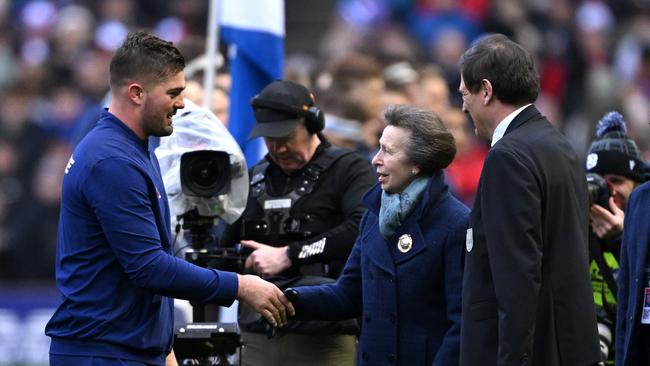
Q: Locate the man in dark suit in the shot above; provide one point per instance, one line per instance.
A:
(526, 293)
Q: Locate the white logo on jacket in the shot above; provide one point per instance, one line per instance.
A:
(70, 163)
(312, 249)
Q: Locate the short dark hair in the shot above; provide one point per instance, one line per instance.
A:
(431, 146)
(145, 57)
(508, 66)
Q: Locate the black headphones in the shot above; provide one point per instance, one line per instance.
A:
(314, 117)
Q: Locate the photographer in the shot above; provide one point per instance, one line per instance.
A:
(300, 222)
(615, 168)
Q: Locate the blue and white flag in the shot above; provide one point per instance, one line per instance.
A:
(254, 29)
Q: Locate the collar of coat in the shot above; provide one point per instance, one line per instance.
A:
(523, 117)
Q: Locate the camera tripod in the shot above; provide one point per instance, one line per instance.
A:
(202, 343)
(207, 344)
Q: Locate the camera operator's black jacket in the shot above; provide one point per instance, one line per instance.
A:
(329, 215)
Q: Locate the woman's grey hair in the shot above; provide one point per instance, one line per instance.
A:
(430, 146)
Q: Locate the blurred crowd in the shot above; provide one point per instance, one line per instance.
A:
(593, 56)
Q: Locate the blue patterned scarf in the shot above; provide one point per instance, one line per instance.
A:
(396, 207)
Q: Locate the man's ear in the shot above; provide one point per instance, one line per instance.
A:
(136, 93)
(486, 90)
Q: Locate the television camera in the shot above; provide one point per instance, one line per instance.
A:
(205, 177)
(206, 174)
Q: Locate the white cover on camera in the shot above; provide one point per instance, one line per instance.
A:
(196, 128)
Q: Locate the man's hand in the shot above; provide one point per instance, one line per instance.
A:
(605, 223)
(171, 359)
(265, 298)
(266, 260)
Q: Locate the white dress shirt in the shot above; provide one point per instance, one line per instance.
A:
(503, 125)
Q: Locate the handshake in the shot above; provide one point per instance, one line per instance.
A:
(266, 299)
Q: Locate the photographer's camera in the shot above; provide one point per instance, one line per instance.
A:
(598, 190)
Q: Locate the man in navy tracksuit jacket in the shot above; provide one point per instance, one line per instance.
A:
(114, 266)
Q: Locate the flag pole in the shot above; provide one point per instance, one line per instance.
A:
(212, 41)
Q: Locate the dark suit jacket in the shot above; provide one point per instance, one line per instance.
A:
(527, 298)
(410, 301)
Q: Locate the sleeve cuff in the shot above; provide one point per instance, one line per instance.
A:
(293, 251)
(226, 293)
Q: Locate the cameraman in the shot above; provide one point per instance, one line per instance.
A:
(615, 157)
(300, 222)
